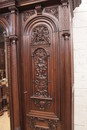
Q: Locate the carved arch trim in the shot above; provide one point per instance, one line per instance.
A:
(40, 19)
(4, 23)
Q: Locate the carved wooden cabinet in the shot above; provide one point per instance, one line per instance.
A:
(40, 63)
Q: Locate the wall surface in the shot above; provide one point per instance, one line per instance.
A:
(80, 65)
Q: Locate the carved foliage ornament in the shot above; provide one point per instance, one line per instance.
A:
(27, 15)
(40, 35)
(41, 73)
(52, 124)
(41, 97)
(53, 11)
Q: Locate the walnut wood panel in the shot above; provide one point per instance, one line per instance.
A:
(41, 76)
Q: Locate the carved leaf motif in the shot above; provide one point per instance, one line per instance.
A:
(41, 72)
(53, 10)
(40, 35)
(28, 14)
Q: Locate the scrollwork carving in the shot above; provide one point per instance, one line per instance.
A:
(40, 35)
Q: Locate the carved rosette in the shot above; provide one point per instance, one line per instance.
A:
(53, 11)
(52, 123)
(40, 35)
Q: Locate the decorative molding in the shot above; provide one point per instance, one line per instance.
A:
(53, 11)
(28, 14)
(40, 35)
(52, 123)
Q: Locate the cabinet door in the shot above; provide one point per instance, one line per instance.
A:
(40, 72)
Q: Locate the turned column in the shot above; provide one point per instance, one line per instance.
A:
(14, 70)
(65, 53)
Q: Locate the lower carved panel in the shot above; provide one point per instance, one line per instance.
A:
(42, 103)
(51, 124)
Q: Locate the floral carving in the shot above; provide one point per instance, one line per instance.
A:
(53, 11)
(40, 35)
(28, 14)
(41, 73)
(52, 123)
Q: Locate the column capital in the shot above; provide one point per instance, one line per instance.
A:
(13, 9)
(13, 38)
(66, 35)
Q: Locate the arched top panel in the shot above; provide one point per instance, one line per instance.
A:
(41, 20)
(5, 25)
(40, 34)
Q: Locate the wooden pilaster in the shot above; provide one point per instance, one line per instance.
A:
(14, 69)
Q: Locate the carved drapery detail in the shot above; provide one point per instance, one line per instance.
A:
(40, 35)
(52, 123)
(53, 11)
(28, 14)
(41, 73)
